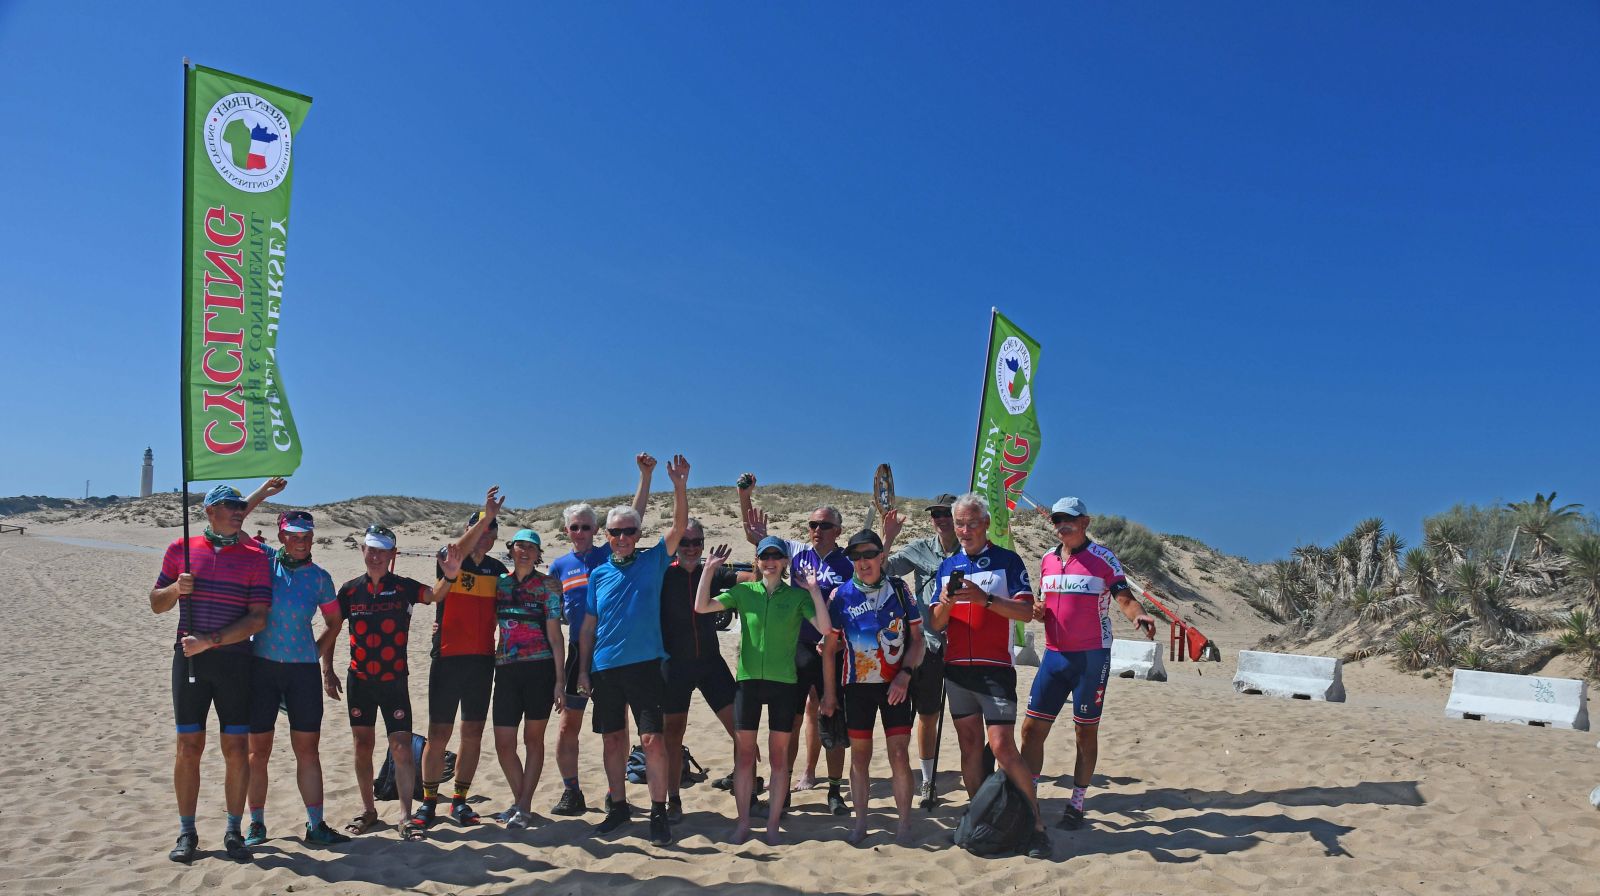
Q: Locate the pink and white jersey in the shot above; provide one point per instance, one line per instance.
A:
(1077, 597)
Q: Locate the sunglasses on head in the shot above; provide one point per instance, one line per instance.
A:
(380, 531)
(580, 527)
(691, 542)
(816, 525)
(772, 555)
(623, 532)
(865, 555)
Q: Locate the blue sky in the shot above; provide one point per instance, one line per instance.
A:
(1292, 265)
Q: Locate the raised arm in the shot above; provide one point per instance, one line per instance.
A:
(678, 471)
(702, 592)
(749, 516)
(271, 487)
(492, 502)
(807, 579)
(893, 522)
(450, 565)
(641, 495)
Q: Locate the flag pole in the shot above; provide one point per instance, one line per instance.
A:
(183, 339)
(977, 444)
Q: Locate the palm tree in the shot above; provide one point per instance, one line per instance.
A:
(1582, 637)
(1447, 538)
(1583, 570)
(1543, 522)
(1480, 590)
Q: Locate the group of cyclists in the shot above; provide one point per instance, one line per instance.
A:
(832, 642)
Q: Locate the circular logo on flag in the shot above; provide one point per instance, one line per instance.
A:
(247, 140)
(1013, 375)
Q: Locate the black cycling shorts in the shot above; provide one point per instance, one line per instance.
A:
(369, 698)
(808, 675)
(927, 682)
(460, 681)
(636, 686)
(754, 693)
(863, 703)
(221, 677)
(525, 689)
(296, 687)
(575, 700)
(708, 675)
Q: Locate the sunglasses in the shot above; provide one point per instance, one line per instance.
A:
(772, 555)
(231, 504)
(580, 527)
(817, 527)
(939, 514)
(691, 542)
(865, 555)
(624, 532)
(1062, 519)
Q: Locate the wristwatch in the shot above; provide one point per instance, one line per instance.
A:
(987, 601)
(215, 638)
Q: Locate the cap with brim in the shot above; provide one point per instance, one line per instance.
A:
(476, 514)
(526, 535)
(296, 522)
(864, 537)
(943, 502)
(772, 542)
(380, 538)
(223, 494)
(1069, 506)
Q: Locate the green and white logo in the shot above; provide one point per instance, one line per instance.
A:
(1013, 375)
(247, 140)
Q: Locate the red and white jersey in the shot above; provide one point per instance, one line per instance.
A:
(1077, 591)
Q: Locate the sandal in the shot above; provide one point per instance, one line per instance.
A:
(463, 814)
(362, 823)
(411, 830)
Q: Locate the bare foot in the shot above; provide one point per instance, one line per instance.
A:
(774, 837)
(740, 834)
(807, 781)
(858, 833)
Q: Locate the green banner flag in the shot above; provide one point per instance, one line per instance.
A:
(237, 140)
(1008, 430)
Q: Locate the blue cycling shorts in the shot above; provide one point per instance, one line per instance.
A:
(1078, 674)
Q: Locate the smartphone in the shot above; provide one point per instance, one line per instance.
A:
(953, 584)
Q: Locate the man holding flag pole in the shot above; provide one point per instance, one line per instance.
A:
(237, 150)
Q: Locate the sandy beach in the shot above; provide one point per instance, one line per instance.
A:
(1198, 789)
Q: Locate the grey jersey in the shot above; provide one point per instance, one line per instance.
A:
(921, 558)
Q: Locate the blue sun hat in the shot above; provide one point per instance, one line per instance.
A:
(223, 494)
(771, 542)
(527, 535)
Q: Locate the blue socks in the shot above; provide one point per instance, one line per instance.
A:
(186, 825)
(233, 823)
(258, 815)
(314, 815)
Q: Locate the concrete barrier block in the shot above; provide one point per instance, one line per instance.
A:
(1290, 675)
(1138, 659)
(1519, 699)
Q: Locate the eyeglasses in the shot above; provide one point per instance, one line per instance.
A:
(816, 526)
(772, 555)
(865, 555)
(939, 514)
(624, 532)
(580, 527)
(691, 542)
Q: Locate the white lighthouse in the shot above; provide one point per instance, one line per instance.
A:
(147, 478)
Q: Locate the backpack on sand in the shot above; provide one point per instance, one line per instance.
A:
(383, 786)
(693, 772)
(998, 821)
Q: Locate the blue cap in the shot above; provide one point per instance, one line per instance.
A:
(223, 493)
(772, 541)
(527, 535)
(1069, 506)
